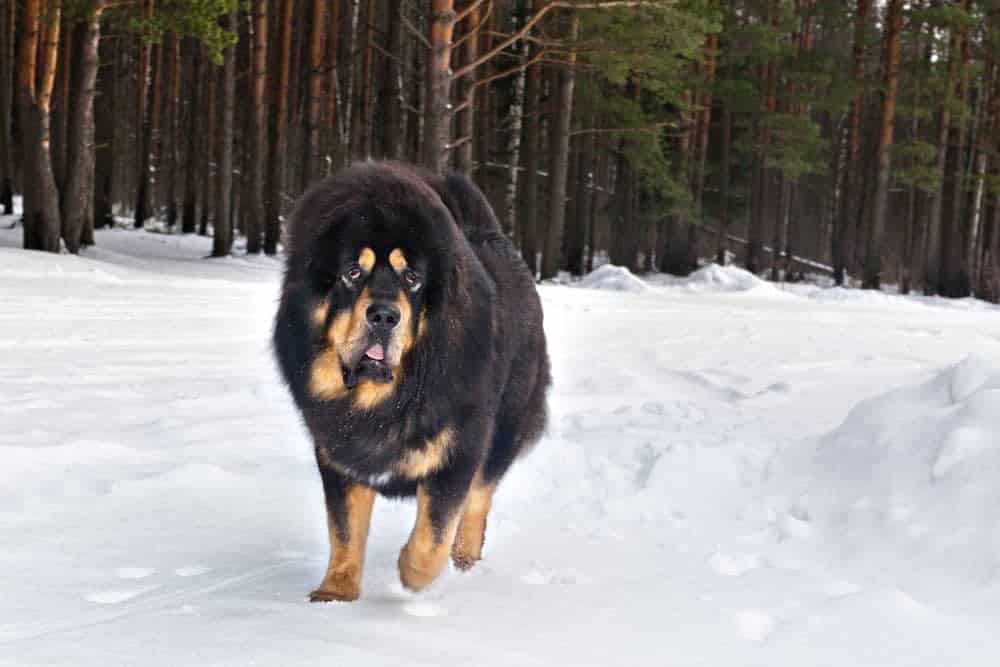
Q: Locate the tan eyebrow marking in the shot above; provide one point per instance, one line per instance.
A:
(366, 260)
(398, 260)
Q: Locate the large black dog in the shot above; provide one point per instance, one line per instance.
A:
(410, 334)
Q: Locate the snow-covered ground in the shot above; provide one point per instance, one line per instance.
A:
(735, 474)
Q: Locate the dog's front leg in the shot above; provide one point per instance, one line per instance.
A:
(348, 513)
(440, 501)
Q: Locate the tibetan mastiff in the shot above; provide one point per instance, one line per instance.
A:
(410, 334)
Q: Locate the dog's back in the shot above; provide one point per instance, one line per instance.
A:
(520, 342)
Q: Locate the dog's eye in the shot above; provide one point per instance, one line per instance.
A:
(411, 278)
(353, 273)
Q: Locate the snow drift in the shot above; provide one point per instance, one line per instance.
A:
(909, 485)
(613, 278)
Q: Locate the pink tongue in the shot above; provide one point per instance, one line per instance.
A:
(375, 352)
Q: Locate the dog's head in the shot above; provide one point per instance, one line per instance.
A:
(374, 260)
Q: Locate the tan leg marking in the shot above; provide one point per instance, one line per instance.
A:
(420, 463)
(398, 260)
(424, 556)
(468, 547)
(366, 259)
(343, 573)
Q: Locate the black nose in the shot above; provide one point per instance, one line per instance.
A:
(382, 316)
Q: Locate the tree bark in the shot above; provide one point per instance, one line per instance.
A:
(852, 171)
(394, 128)
(38, 61)
(222, 241)
(80, 133)
(258, 130)
(437, 102)
(466, 117)
(104, 111)
(551, 256)
(170, 139)
(890, 83)
(144, 128)
(530, 154)
(953, 278)
(722, 239)
(279, 148)
(208, 165)
(194, 187)
(311, 150)
(8, 21)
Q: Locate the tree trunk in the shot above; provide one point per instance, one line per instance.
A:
(80, 133)
(279, 148)
(852, 178)
(208, 165)
(8, 20)
(104, 111)
(530, 153)
(954, 278)
(38, 61)
(559, 141)
(311, 150)
(890, 82)
(721, 242)
(394, 127)
(466, 117)
(437, 104)
(258, 130)
(62, 95)
(194, 187)
(143, 126)
(170, 135)
(515, 117)
(222, 241)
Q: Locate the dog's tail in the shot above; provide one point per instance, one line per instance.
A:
(469, 207)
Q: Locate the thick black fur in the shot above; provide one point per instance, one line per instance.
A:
(480, 366)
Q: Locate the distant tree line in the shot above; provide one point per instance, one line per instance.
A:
(857, 137)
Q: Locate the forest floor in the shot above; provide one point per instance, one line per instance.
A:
(734, 474)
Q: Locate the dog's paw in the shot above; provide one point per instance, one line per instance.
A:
(341, 587)
(416, 572)
(462, 559)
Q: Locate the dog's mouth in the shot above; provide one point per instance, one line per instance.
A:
(372, 366)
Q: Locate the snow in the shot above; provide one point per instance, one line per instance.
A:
(613, 278)
(729, 478)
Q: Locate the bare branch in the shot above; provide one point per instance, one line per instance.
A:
(621, 130)
(468, 10)
(500, 75)
(526, 28)
(413, 29)
(482, 22)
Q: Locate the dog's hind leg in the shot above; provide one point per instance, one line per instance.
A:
(348, 511)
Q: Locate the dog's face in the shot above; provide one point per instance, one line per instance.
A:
(369, 279)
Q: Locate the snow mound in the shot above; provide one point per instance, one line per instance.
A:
(613, 278)
(908, 485)
(713, 277)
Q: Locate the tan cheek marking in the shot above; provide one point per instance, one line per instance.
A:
(326, 381)
(468, 547)
(348, 329)
(343, 572)
(420, 463)
(320, 313)
(398, 260)
(425, 555)
(366, 259)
